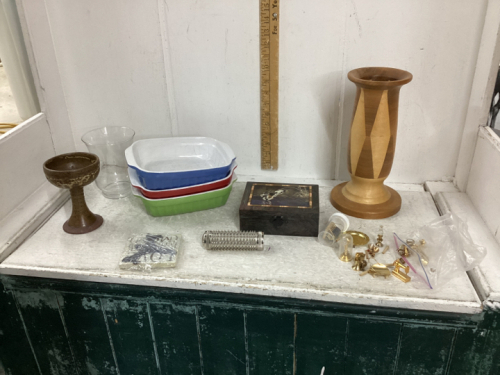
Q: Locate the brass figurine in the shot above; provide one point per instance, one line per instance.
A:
(379, 270)
(359, 262)
(372, 250)
(399, 267)
(403, 251)
(380, 237)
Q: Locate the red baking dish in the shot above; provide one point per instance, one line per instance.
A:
(179, 192)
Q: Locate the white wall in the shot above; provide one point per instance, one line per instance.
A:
(22, 152)
(191, 67)
(484, 179)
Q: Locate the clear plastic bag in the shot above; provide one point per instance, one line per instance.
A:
(446, 252)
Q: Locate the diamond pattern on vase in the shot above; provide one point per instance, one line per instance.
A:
(372, 101)
(358, 132)
(380, 135)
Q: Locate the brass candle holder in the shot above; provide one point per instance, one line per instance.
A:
(345, 244)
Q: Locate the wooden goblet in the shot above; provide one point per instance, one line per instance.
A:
(372, 144)
(73, 171)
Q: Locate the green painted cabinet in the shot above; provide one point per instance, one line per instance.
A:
(69, 327)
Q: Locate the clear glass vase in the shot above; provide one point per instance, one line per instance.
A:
(109, 143)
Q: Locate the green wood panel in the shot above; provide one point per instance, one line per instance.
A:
(15, 350)
(222, 337)
(131, 336)
(472, 353)
(176, 338)
(270, 338)
(320, 342)
(371, 346)
(493, 352)
(40, 311)
(87, 333)
(424, 349)
(239, 334)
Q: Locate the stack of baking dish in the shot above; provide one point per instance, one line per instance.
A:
(178, 175)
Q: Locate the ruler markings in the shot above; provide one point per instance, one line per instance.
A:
(269, 70)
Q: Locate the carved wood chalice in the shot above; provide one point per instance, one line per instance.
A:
(73, 171)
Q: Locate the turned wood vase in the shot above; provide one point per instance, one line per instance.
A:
(372, 143)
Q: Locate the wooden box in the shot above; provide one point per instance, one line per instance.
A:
(280, 209)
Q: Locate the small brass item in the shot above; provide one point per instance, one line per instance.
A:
(345, 247)
(399, 267)
(416, 247)
(346, 257)
(401, 276)
(400, 264)
(403, 251)
(359, 262)
(424, 261)
(423, 257)
(372, 250)
(358, 237)
(420, 251)
(379, 270)
(385, 250)
(380, 237)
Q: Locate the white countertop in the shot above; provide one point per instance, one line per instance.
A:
(486, 275)
(295, 267)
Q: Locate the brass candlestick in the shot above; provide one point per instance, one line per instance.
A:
(345, 247)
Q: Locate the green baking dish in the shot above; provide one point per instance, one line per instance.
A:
(187, 203)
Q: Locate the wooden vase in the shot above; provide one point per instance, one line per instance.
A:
(372, 143)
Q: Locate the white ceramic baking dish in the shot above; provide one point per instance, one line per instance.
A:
(166, 163)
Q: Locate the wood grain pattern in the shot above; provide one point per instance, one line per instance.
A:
(372, 144)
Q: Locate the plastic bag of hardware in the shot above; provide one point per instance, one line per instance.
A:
(415, 270)
(444, 249)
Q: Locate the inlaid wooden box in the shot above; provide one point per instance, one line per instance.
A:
(280, 209)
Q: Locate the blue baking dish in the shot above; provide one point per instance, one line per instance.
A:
(167, 163)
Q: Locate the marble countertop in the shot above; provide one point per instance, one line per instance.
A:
(294, 267)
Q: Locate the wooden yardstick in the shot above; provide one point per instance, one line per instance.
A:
(269, 71)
